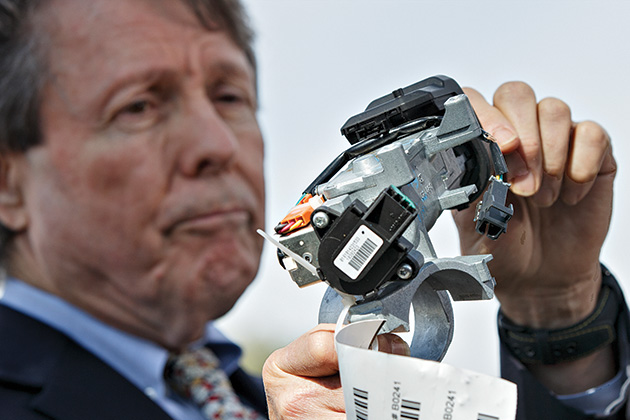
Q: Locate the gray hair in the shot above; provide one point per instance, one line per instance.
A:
(20, 81)
(23, 70)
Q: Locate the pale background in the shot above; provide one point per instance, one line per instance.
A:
(322, 61)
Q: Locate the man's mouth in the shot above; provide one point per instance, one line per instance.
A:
(213, 221)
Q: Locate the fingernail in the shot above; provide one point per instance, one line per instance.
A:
(570, 198)
(548, 191)
(399, 346)
(504, 137)
(524, 185)
(516, 165)
(544, 197)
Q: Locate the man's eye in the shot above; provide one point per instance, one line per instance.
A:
(139, 114)
(230, 98)
(228, 94)
(137, 107)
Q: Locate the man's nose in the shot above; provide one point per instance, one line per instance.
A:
(206, 143)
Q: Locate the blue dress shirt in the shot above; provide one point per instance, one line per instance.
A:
(138, 360)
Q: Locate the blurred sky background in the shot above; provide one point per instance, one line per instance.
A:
(322, 61)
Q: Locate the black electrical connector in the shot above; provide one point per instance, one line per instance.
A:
(492, 213)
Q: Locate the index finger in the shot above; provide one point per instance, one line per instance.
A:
(493, 121)
(517, 101)
(496, 123)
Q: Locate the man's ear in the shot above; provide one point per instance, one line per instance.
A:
(12, 209)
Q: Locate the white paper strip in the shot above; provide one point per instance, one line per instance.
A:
(380, 386)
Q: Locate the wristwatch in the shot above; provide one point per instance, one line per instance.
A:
(551, 346)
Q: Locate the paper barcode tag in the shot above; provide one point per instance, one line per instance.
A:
(380, 386)
(358, 252)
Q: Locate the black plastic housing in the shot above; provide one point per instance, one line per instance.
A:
(422, 99)
(388, 218)
(492, 214)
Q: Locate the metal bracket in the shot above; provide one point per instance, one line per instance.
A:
(465, 278)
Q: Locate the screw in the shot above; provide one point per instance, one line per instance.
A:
(320, 219)
(405, 271)
(307, 256)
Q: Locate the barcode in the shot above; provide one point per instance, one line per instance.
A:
(362, 255)
(410, 410)
(358, 252)
(360, 403)
(486, 417)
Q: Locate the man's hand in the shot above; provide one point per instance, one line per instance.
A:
(302, 379)
(562, 172)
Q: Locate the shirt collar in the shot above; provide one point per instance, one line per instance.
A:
(139, 360)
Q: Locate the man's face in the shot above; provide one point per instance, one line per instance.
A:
(144, 198)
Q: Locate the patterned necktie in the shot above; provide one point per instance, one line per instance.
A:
(196, 375)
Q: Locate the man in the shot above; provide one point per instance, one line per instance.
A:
(135, 200)
(132, 186)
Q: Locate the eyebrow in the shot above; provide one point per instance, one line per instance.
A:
(221, 69)
(148, 77)
(228, 69)
(151, 75)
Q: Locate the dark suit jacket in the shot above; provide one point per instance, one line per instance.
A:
(535, 402)
(46, 375)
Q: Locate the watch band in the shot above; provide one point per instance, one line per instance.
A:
(543, 346)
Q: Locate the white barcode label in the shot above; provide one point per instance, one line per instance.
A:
(385, 386)
(358, 252)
